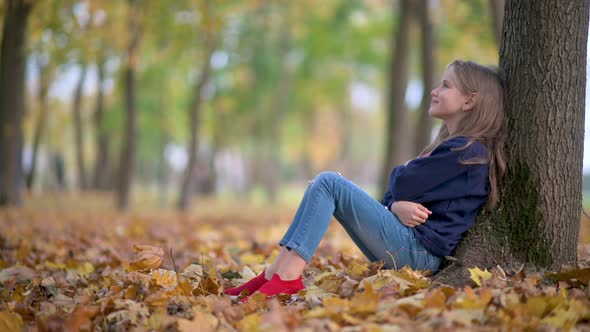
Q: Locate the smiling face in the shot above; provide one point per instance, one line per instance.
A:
(448, 102)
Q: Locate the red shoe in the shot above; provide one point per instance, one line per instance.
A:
(277, 286)
(253, 285)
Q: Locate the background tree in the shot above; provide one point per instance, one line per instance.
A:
(428, 60)
(210, 35)
(128, 148)
(538, 218)
(396, 132)
(12, 98)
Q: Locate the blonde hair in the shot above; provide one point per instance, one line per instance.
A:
(485, 123)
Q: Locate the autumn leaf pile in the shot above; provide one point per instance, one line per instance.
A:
(112, 272)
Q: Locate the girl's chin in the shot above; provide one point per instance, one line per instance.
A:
(433, 114)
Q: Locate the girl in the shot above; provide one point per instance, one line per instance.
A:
(430, 201)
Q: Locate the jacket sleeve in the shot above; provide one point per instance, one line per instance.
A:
(388, 196)
(422, 175)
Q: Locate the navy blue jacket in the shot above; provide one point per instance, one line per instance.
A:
(452, 191)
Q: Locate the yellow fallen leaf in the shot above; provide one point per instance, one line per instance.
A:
(85, 268)
(567, 315)
(250, 322)
(331, 283)
(146, 258)
(479, 276)
(193, 271)
(356, 270)
(365, 303)
(252, 259)
(207, 286)
(202, 321)
(10, 321)
(164, 278)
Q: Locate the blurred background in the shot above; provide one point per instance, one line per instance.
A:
(237, 100)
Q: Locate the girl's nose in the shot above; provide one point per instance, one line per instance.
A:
(434, 92)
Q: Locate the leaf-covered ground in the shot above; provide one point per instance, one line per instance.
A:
(66, 269)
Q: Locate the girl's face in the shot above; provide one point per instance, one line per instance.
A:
(448, 102)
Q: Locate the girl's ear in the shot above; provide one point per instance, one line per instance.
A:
(470, 101)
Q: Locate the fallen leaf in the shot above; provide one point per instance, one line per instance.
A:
(81, 319)
(10, 321)
(164, 278)
(479, 276)
(146, 258)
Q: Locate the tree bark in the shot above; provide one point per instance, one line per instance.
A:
(44, 79)
(424, 126)
(127, 158)
(102, 160)
(497, 9)
(78, 132)
(12, 103)
(187, 184)
(396, 125)
(537, 220)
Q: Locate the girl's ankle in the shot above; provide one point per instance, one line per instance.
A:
(288, 276)
(268, 274)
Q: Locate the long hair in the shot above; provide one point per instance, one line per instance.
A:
(485, 123)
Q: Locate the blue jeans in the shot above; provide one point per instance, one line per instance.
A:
(375, 230)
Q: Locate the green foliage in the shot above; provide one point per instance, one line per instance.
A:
(320, 49)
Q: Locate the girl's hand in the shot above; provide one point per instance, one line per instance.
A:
(409, 213)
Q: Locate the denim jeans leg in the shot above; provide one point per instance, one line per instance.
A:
(296, 218)
(375, 230)
(302, 206)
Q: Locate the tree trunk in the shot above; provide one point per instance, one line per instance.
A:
(127, 158)
(424, 126)
(12, 103)
(537, 221)
(102, 160)
(280, 105)
(396, 133)
(78, 132)
(187, 185)
(497, 9)
(44, 79)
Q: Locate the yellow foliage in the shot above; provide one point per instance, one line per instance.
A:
(478, 276)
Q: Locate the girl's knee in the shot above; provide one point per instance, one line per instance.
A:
(326, 177)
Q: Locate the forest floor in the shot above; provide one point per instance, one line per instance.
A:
(70, 262)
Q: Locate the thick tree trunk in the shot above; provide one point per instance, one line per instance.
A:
(187, 185)
(44, 79)
(127, 158)
(396, 132)
(424, 126)
(12, 103)
(537, 221)
(102, 161)
(78, 132)
(497, 9)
